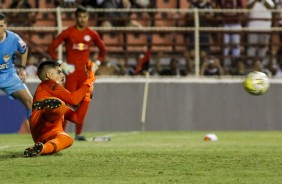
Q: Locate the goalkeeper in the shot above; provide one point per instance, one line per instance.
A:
(78, 40)
(50, 109)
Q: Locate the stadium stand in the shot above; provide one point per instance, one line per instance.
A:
(129, 42)
(166, 4)
(114, 41)
(136, 42)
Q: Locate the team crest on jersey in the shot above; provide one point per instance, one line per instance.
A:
(6, 57)
(87, 38)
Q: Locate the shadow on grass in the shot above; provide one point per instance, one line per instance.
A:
(12, 154)
(4, 155)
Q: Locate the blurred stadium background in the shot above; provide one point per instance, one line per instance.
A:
(148, 100)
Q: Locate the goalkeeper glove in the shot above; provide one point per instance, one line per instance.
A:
(67, 68)
(90, 80)
(96, 65)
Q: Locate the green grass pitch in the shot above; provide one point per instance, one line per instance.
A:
(150, 157)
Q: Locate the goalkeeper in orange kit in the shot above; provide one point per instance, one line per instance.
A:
(50, 109)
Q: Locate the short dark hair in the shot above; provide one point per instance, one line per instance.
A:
(80, 9)
(46, 65)
(2, 16)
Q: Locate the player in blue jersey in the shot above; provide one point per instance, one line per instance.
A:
(11, 82)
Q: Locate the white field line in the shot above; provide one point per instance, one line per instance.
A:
(115, 135)
(89, 139)
(14, 146)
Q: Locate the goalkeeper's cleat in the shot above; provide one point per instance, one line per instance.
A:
(34, 151)
(51, 103)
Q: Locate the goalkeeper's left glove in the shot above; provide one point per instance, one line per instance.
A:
(96, 65)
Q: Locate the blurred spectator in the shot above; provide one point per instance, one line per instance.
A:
(66, 3)
(111, 19)
(239, 67)
(108, 68)
(276, 68)
(143, 63)
(257, 65)
(260, 16)
(211, 67)
(134, 3)
(31, 67)
(141, 3)
(21, 18)
(90, 3)
(174, 68)
(231, 20)
(278, 20)
(121, 65)
(190, 62)
(205, 21)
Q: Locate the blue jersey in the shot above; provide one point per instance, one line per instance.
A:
(8, 48)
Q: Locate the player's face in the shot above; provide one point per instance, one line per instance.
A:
(2, 28)
(57, 75)
(82, 20)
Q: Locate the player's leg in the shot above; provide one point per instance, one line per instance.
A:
(25, 97)
(71, 85)
(16, 89)
(57, 143)
(52, 108)
(73, 82)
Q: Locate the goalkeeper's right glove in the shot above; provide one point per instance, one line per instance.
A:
(90, 80)
(67, 68)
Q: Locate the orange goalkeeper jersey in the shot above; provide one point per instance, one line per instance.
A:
(41, 128)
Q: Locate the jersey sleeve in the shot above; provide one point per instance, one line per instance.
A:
(100, 44)
(52, 48)
(51, 88)
(73, 98)
(21, 45)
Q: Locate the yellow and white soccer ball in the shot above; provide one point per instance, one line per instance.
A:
(256, 83)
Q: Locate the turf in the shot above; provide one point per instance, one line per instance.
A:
(148, 158)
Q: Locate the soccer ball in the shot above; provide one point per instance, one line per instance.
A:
(256, 83)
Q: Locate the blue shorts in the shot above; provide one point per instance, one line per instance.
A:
(10, 83)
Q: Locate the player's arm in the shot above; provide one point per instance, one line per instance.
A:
(21, 70)
(23, 50)
(78, 115)
(52, 48)
(72, 98)
(100, 44)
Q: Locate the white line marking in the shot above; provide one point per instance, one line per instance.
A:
(115, 135)
(15, 146)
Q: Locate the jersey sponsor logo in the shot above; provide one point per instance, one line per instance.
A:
(4, 66)
(80, 46)
(6, 57)
(87, 38)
